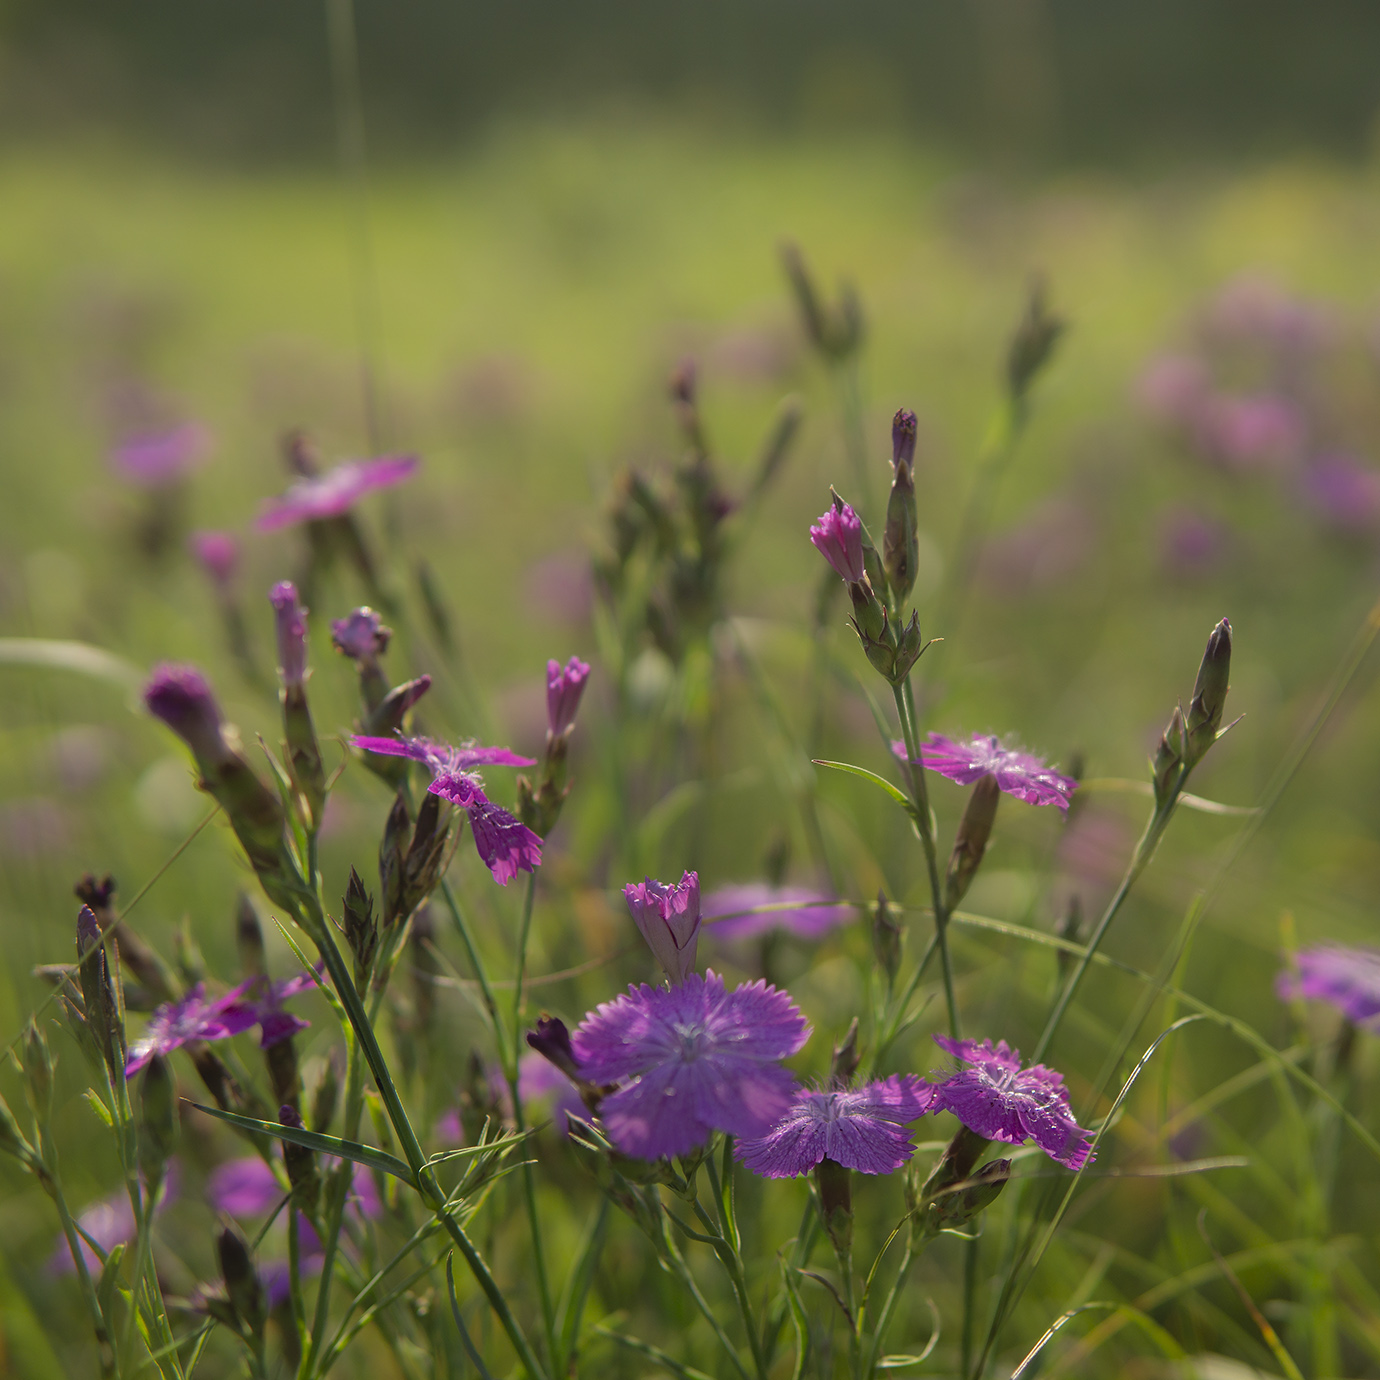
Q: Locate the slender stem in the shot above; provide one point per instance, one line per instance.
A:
(915, 772)
(733, 1264)
(970, 1267)
(682, 1270)
(529, 1182)
(888, 1307)
(110, 1361)
(481, 973)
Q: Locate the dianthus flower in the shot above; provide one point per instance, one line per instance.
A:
(155, 459)
(999, 1100)
(1017, 773)
(218, 554)
(505, 844)
(859, 1128)
(247, 1187)
(1347, 979)
(564, 687)
(334, 493)
(838, 538)
(361, 635)
(690, 1061)
(275, 1024)
(175, 1023)
(669, 920)
(753, 908)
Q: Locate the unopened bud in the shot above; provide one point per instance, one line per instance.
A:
(970, 842)
(38, 1071)
(290, 623)
(242, 1286)
(102, 1005)
(361, 929)
(157, 1118)
(392, 858)
(327, 1094)
(299, 1162)
(153, 982)
(249, 938)
(1209, 695)
(901, 541)
(551, 1040)
(1167, 770)
(12, 1141)
(363, 637)
(1033, 342)
(846, 1058)
(565, 686)
(960, 1202)
(836, 1205)
(425, 855)
(387, 717)
(886, 938)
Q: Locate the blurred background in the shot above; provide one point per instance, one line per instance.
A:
(488, 234)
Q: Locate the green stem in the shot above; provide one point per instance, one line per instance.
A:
(110, 1361)
(733, 1264)
(481, 974)
(888, 1307)
(915, 773)
(682, 1270)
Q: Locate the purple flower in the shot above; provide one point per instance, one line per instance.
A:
(218, 554)
(247, 1187)
(1172, 388)
(838, 538)
(361, 635)
(1017, 773)
(754, 908)
(181, 698)
(275, 1024)
(1347, 979)
(859, 1128)
(669, 919)
(290, 621)
(1344, 491)
(1190, 542)
(540, 1081)
(155, 459)
(334, 493)
(1252, 432)
(999, 1100)
(690, 1061)
(564, 687)
(503, 843)
(175, 1023)
(1251, 308)
(109, 1223)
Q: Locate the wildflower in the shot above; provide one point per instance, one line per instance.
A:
(998, 1100)
(564, 688)
(669, 919)
(1251, 432)
(505, 844)
(837, 536)
(690, 1061)
(248, 1186)
(154, 460)
(109, 1223)
(333, 494)
(859, 1128)
(1343, 491)
(275, 1024)
(361, 636)
(218, 554)
(1345, 978)
(290, 620)
(754, 908)
(175, 1023)
(1017, 773)
(900, 540)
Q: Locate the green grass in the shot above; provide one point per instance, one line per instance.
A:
(533, 294)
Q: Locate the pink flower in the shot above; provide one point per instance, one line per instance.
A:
(153, 460)
(334, 493)
(669, 919)
(564, 688)
(1017, 773)
(218, 554)
(837, 536)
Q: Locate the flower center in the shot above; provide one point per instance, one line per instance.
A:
(691, 1040)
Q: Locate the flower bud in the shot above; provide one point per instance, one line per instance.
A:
(970, 842)
(243, 1289)
(38, 1071)
(1032, 344)
(886, 938)
(104, 1017)
(304, 752)
(960, 1202)
(158, 1126)
(299, 1162)
(426, 854)
(909, 646)
(564, 688)
(290, 623)
(387, 717)
(551, 1040)
(392, 858)
(836, 1205)
(669, 919)
(363, 638)
(901, 541)
(150, 972)
(326, 1094)
(1209, 695)
(361, 929)
(1167, 770)
(846, 1059)
(837, 536)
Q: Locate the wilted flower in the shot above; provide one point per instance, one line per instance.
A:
(669, 920)
(690, 1061)
(176, 1023)
(1344, 491)
(334, 493)
(997, 1099)
(1348, 979)
(1017, 773)
(859, 1128)
(754, 908)
(505, 844)
(564, 688)
(837, 536)
(218, 554)
(155, 459)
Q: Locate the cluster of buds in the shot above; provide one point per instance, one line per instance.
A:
(841, 538)
(539, 806)
(1188, 737)
(412, 858)
(835, 329)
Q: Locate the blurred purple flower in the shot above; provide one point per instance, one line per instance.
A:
(753, 908)
(541, 1081)
(360, 635)
(290, 623)
(275, 1024)
(334, 493)
(1344, 491)
(668, 918)
(181, 698)
(247, 1187)
(174, 1023)
(109, 1223)
(1171, 388)
(218, 554)
(1253, 310)
(503, 843)
(564, 688)
(690, 1061)
(1252, 432)
(859, 1128)
(560, 587)
(1017, 773)
(153, 460)
(1191, 543)
(999, 1100)
(837, 536)
(1345, 978)
(1047, 545)
(33, 828)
